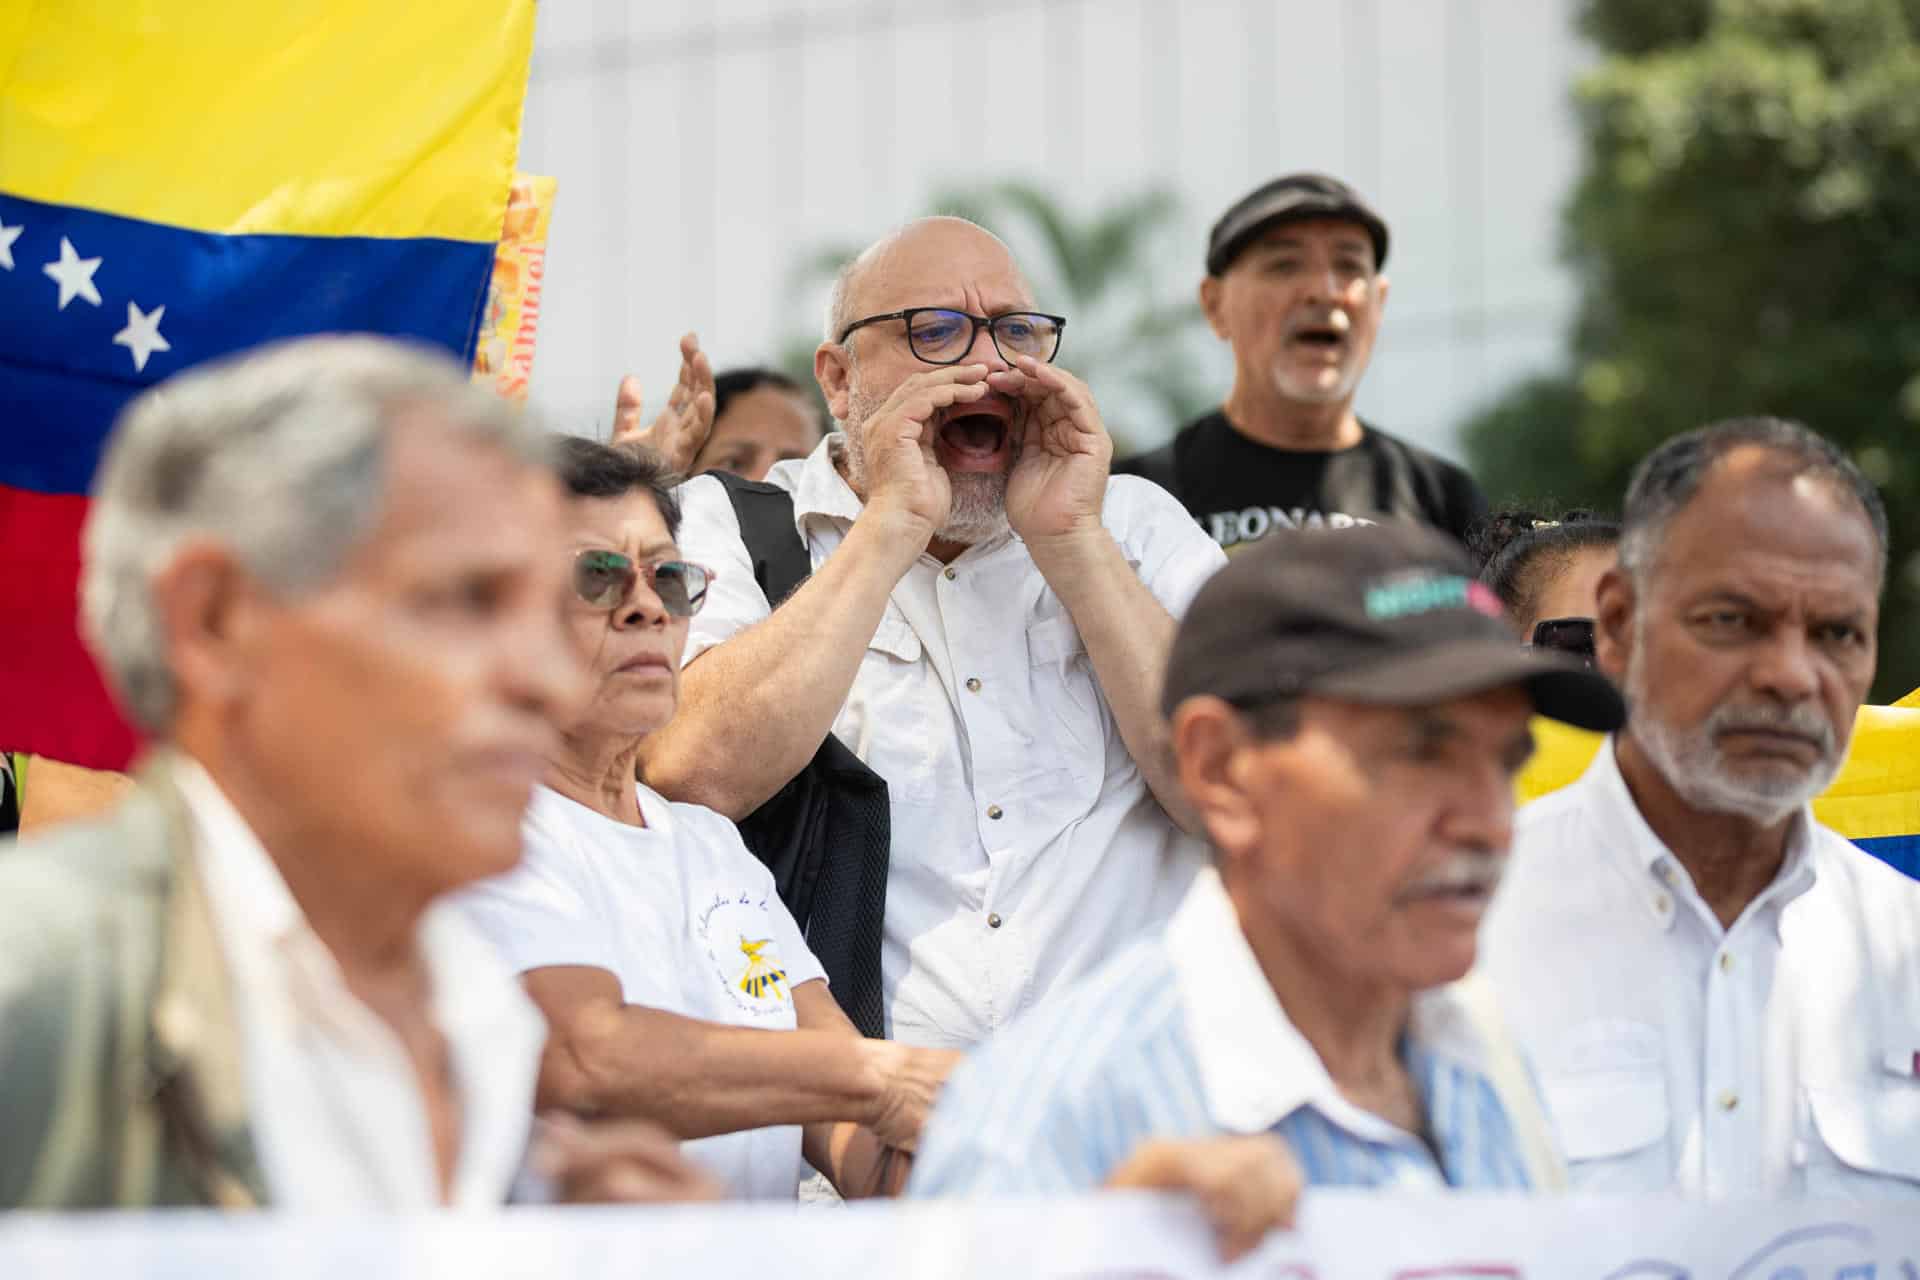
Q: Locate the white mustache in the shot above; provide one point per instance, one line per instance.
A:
(1463, 872)
(1802, 721)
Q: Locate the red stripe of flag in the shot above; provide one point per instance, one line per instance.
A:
(52, 699)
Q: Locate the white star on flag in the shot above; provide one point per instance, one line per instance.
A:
(74, 274)
(142, 335)
(7, 236)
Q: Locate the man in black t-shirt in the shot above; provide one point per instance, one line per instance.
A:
(1294, 285)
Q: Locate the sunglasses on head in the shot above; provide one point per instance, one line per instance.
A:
(1567, 635)
(605, 580)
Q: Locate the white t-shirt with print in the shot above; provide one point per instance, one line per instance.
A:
(683, 915)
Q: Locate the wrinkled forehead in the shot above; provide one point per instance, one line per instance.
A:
(940, 263)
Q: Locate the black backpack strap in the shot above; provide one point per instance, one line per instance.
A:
(765, 513)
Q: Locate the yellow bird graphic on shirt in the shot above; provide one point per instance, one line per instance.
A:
(763, 977)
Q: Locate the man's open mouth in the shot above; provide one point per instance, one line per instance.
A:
(975, 437)
(1321, 337)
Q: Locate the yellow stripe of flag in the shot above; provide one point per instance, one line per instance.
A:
(1876, 795)
(356, 117)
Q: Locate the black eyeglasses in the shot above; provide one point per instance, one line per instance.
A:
(1567, 635)
(605, 580)
(939, 336)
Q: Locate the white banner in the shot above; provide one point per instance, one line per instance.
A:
(1342, 1236)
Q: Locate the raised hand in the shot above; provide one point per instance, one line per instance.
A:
(1059, 481)
(680, 430)
(902, 475)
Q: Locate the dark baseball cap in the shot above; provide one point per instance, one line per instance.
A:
(1387, 614)
(1293, 198)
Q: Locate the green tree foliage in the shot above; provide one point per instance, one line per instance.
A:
(1125, 335)
(1747, 239)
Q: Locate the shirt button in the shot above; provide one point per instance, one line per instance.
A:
(951, 575)
(1726, 961)
(994, 811)
(993, 921)
(1662, 903)
(1728, 1100)
(973, 684)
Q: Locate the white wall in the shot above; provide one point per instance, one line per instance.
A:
(703, 146)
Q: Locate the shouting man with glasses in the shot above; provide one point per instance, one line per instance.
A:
(984, 625)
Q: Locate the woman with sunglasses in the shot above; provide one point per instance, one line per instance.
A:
(677, 987)
(1546, 572)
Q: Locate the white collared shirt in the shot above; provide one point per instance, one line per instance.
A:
(334, 1102)
(1182, 1037)
(1780, 1057)
(1026, 845)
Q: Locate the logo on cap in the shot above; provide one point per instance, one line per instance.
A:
(1405, 595)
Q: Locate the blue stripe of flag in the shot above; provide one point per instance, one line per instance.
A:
(62, 378)
(1902, 853)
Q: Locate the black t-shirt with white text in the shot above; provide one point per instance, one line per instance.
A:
(1241, 490)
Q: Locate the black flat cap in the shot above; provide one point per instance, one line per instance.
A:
(1293, 198)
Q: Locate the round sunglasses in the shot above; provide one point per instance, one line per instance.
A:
(606, 579)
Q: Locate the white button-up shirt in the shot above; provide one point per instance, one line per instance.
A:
(1778, 1057)
(338, 1119)
(1026, 845)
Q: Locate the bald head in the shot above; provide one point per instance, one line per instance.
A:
(902, 259)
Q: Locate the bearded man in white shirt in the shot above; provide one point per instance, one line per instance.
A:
(326, 578)
(1720, 995)
(985, 626)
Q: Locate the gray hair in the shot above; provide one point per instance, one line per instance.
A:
(278, 455)
(1668, 478)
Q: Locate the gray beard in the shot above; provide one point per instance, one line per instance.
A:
(978, 511)
(1691, 762)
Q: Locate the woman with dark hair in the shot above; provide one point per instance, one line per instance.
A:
(676, 986)
(1545, 572)
(760, 417)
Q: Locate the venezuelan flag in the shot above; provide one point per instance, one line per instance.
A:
(1875, 802)
(180, 179)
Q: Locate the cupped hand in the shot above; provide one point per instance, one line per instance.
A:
(1059, 481)
(902, 474)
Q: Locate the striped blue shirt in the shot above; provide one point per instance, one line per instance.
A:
(1181, 1037)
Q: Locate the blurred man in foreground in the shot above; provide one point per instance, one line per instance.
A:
(1349, 711)
(327, 578)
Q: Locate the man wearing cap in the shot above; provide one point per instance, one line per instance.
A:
(1294, 285)
(1348, 713)
(1721, 996)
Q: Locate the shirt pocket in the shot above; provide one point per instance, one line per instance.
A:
(1861, 1139)
(1070, 714)
(1064, 684)
(896, 714)
(1607, 1091)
